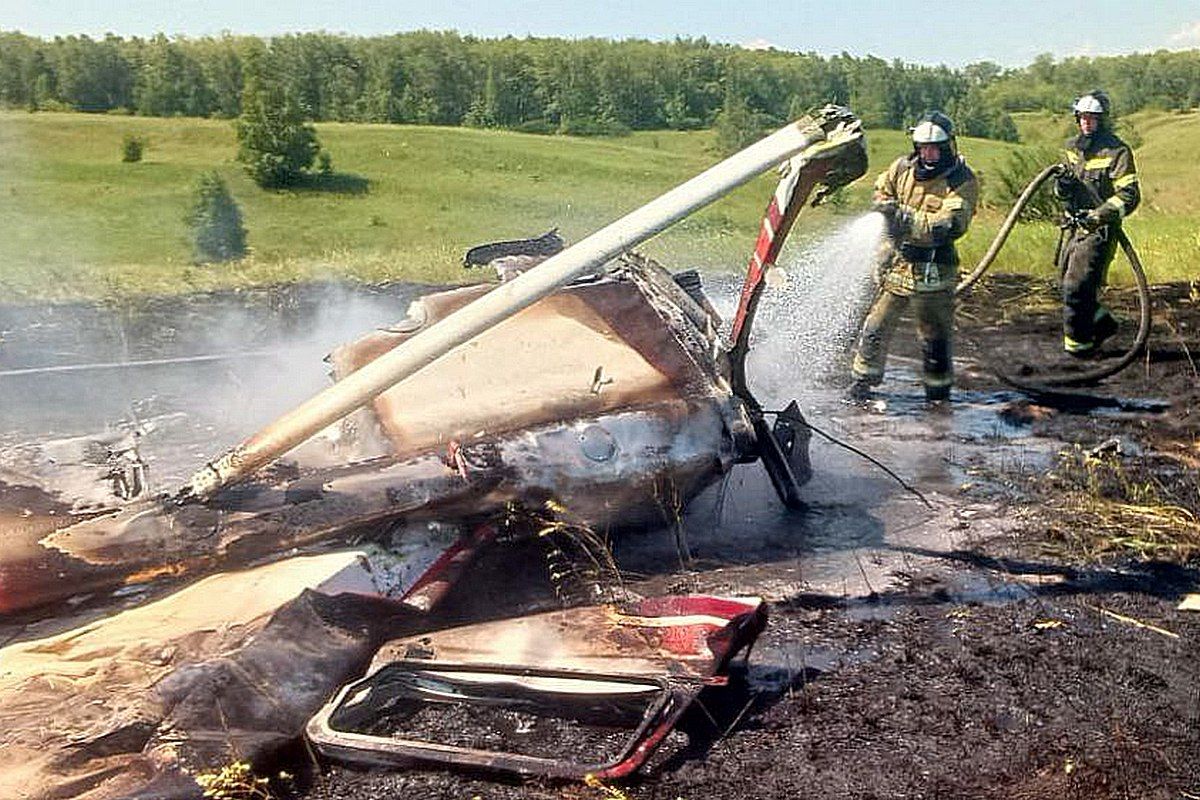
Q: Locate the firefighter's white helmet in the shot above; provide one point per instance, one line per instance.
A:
(933, 128)
(1089, 104)
(1094, 102)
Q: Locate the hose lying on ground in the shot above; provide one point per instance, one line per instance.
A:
(1042, 385)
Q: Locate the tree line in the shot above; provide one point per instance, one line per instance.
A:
(1164, 80)
(538, 85)
(554, 85)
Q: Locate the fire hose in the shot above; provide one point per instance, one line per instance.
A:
(1044, 384)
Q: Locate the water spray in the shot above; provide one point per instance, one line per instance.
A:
(832, 163)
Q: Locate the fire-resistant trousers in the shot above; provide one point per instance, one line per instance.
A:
(1083, 269)
(934, 315)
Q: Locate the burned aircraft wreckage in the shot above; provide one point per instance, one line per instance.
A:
(594, 381)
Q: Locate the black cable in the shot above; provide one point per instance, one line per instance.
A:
(1005, 229)
(858, 452)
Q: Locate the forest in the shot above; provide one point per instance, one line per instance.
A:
(589, 86)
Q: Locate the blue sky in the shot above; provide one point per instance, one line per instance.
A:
(954, 32)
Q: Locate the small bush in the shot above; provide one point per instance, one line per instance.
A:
(275, 143)
(325, 163)
(216, 222)
(539, 126)
(132, 148)
(1016, 173)
(592, 127)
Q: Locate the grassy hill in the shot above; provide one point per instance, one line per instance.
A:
(79, 222)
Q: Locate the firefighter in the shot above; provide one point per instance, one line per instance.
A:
(1097, 165)
(927, 198)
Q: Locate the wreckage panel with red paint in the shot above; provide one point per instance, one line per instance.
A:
(585, 691)
(602, 397)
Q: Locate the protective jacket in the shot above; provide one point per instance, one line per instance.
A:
(1105, 163)
(933, 208)
(927, 209)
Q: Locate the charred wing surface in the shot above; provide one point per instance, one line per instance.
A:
(541, 365)
(569, 693)
(227, 669)
(602, 396)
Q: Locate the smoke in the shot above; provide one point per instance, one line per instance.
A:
(805, 327)
(195, 374)
(213, 368)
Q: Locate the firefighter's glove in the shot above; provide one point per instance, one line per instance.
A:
(885, 207)
(898, 221)
(900, 224)
(1065, 184)
(1097, 218)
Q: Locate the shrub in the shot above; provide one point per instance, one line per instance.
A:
(539, 126)
(132, 148)
(582, 126)
(1012, 178)
(216, 222)
(274, 142)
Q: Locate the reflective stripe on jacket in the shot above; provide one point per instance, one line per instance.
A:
(1107, 166)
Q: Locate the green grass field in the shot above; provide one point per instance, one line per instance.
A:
(80, 223)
